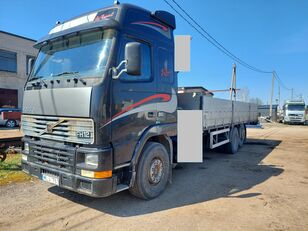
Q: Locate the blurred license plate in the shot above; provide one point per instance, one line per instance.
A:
(50, 178)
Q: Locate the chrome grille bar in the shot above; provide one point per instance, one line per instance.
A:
(63, 128)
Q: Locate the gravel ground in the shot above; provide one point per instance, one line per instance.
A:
(263, 187)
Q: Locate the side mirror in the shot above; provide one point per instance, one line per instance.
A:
(133, 58)
(30, 65)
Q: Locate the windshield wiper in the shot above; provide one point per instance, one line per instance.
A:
(80, 79)
(67, 73)
(40, 81)
(35, 78)
(76, 74)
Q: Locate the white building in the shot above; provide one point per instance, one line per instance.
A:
(15, 52)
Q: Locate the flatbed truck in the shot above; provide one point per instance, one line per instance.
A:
(101, 104)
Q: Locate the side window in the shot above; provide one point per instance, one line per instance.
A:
(145, 64)
(8, 61)
(165, 66)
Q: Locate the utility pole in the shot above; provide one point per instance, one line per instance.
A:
(233, 88)
(272, 94)
(279, 96)
(233, 83)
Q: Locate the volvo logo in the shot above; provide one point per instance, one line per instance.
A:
(50, 126)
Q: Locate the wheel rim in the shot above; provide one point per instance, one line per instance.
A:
(155, 171)
(235, 140)
(10, 124)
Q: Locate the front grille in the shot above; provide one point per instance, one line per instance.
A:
(49, 172)
(295, 120)
(52, 156)
(63, 129)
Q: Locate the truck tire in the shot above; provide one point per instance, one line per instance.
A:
(153, 171)
(242, 134)
(10, 123)
(233, 145)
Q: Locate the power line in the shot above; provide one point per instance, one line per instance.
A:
(197, 29)
(211, 39)
(218, 45)
(280, 82)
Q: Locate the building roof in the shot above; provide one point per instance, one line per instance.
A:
(15, 35)
(195, 89)
(274, 106)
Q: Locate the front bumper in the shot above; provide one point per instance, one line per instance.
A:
(294, 120)
(83, 185)
(64, 163)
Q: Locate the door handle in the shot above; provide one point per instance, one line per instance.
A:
(151, 114)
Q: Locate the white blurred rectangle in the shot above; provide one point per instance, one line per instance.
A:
(189, 136)
(182, 52)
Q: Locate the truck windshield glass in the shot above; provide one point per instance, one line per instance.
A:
(81, 55)
(296, 107)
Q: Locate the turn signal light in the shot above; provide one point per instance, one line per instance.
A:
(99, 175)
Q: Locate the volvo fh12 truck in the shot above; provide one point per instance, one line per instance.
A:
(101, 102)
(294, 112)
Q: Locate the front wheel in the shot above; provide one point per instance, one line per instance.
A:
(153, 171)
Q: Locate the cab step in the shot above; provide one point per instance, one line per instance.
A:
(122, 187)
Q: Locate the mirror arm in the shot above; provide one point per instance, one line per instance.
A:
(118, 75)
(121, 63)
(115, 74)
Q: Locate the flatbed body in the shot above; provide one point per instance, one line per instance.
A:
(217, 112)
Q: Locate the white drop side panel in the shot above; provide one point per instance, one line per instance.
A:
(182, 53)
(189, 136)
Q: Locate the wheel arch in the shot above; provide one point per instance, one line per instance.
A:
(157, 133)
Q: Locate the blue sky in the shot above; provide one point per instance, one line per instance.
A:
(272, 35)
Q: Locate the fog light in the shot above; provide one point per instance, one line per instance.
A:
(24, 157)
(92, 174)
(26, 147)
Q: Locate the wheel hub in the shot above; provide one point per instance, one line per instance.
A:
(156, 170)
(10, 124)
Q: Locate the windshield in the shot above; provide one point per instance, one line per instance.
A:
(80, 55)
(296, 107)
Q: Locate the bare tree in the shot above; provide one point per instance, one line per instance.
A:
(256, 100)
(243, 94)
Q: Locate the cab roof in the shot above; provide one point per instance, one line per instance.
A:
(108, 17)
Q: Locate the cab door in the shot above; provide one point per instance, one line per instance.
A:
(133, 103)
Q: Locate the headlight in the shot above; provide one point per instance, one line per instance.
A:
(91, 159)
(26, 147)
(24, 157)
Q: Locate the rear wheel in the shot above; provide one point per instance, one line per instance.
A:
(242, 134)
(153, 171)
(10, 123)
(233, 145)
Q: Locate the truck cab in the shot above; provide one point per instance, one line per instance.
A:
(294, 112)
(102, 87)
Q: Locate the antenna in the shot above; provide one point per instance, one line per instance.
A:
(116, 2)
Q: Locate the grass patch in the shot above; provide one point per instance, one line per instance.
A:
(10, 170)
